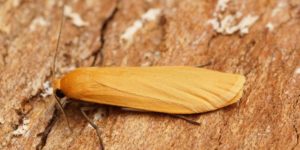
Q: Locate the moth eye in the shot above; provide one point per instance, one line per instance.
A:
(59, 94)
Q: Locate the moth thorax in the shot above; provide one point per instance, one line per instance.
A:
(56, 84)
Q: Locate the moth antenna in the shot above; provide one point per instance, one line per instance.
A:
(82, 109)
(54, 67)
(57, 44)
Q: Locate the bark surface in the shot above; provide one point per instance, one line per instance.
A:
(147, 33)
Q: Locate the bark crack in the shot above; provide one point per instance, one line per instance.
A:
(211, 40)
(98, 52)
(294, 124)
(220, 139)
(4, 56)
(222, 131)
(45, 133)
(297, 136)
(24, 110)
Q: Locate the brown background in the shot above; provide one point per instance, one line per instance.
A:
(267, 116)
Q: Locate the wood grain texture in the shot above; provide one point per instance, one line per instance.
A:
(267, 116)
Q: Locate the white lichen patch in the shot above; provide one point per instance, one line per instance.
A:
(130, 32)
(222, 5)
(39, 21)
(230, 25)
(224, 26)
(47, 89)
(268, 129)
(1, 120)
(270, 26)
(23, 129)
(246, 23)
(297, 71)
(150, 15)
(226, 22)
(74, 16)
(280, 6)
(16, 3)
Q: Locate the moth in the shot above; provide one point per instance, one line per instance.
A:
(166, 89)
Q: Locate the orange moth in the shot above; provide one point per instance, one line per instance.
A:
(169, 89)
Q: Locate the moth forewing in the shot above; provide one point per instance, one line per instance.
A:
(174, 90)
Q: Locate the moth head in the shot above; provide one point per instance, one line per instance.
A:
(57, 91)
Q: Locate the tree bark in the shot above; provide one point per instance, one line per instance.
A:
(175, 32)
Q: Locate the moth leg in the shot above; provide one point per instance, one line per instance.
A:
(83, 109)
(203, 65)
(61, 107)
(187, 119)
(108, 110)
